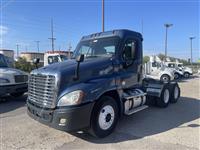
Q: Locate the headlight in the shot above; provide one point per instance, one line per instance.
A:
(3, 80)
(72, 98)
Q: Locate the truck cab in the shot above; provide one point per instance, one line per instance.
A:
(101, 83)
(180, 69)
(12, 81)
(155, 69)
(51, 57)
(187, 71)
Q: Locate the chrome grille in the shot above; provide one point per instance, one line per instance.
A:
(21, 78)
(42, 90)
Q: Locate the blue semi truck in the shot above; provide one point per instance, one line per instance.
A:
(102, 83)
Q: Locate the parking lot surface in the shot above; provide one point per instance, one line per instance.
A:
(175, 127)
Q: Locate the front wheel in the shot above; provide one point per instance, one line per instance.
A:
(186, 75)
(104, 117)
(165, 78)
(176, 76)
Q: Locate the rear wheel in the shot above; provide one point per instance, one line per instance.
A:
(104, 117)
(163, 100)
(175, 93)
(165, 78)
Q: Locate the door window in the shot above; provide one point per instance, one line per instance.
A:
(129, 50)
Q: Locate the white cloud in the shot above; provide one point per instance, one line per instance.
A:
(3, 30)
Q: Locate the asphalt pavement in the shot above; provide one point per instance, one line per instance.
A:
(176, 127)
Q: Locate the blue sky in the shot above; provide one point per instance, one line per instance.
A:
(25, 21)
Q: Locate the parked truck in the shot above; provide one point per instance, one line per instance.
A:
(104, 82)
(12, 81)
(51, 57)
(155, 69)
(186, 71)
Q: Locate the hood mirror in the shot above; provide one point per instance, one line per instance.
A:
(36, 61)
(79, 59)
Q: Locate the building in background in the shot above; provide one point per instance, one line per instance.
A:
(30, 56)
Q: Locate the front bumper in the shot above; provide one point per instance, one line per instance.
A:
(17, 88)
(77, 117)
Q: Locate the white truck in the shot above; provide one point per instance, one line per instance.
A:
(51, 57)
(155, 69)
(179, 71)
(12, 81)
(186, 71)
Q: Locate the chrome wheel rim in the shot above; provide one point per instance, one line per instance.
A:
(165, 79)
(166, 96)
(176, 92)
(106, 117)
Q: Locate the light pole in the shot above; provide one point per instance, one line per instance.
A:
(102, 15)
(191, 38)
(167, 26)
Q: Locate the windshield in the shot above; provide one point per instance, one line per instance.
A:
(63, 57)
(3, 61)
(180, 65)
(105, 47)
(171, 65)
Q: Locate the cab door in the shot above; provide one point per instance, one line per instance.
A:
(132, 67)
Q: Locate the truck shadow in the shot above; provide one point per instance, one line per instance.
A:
(11, 103)
(152, 121)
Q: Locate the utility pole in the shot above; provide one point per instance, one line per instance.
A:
(17, 50)
(191, 38)
(103, 16)
(38, 46)
(167, 26)
(52, 36)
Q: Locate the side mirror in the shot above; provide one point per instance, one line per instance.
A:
(36, 61)
(128, 56)
(80, 58)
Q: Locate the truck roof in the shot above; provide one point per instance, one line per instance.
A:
(119, 32)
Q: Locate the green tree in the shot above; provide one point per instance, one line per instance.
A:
(146, 59)
(22, 64)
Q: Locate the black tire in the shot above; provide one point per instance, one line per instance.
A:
(165, 78)
(162, 101)
(19, 94)
(176, 76)
(96, 129)
(175, 93)
(186, 75)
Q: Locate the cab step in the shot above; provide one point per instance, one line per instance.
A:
(134, 110)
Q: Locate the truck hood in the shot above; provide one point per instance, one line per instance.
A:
(13, 71)
(65, 71)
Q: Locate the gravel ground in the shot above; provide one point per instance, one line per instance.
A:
(176, 127)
